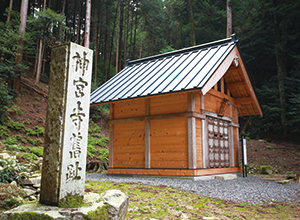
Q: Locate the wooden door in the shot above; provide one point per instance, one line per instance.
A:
(218, 143)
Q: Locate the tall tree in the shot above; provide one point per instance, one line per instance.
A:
(229, 20)
(22, 28)
(87, 24)
(9, 11)
(192, 25)
(40, 55)
(118, 37)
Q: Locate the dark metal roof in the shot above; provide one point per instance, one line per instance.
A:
(181, 70)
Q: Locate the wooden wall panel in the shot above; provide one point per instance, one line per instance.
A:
(234, 114)
(169, 143)
(129, 145)
(129, 109)
(168, 104)
(197, 102)
(199, 154)
(235, 149)
(212, 102)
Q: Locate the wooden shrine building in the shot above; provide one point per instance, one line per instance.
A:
(177, 113)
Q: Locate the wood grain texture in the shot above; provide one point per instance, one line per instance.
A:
(168, 104)
(199, 158)
(156, 117)
(129, 145)
(169, 141)
(111, 148)
(192, 143)
(147, 144)
(131, 108)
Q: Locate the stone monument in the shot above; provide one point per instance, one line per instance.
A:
(65, 146)
(66, 132)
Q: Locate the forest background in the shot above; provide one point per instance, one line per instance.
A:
(268, 33)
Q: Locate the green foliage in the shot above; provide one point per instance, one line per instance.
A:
(93, 149)
(16, 148)
(10, 196)
(5, 100)
(24, 141)
(36, 132)
(166, 49)
(10, 141)
(34, 142)
(26, 122)
(26, 155)
(11, 168)
(93, 128)
(15, 110)
(15, 125)
(37, 151)
(104, 153)
(100, 142)
(270, 147)
(37, 98)
(4, 131)
(18, 137)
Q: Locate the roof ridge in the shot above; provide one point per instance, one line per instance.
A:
(232, 39)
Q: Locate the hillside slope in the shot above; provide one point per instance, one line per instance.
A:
(30, 108)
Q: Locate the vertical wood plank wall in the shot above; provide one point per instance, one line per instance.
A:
(212, 103)
(129, 145)
(167, 142)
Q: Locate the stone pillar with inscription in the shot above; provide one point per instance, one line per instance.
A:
(66, 132)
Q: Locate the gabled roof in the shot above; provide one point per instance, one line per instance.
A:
(194, 68)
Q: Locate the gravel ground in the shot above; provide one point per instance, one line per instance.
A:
(251, 190)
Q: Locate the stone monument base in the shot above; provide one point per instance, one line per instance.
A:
(112, 204)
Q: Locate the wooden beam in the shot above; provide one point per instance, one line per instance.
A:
(147, 107)
(158, 117)
(173, 172)
(220, 72)
(222, 85)
(220, 95)
(111, 111)
(237, 135)
(148, 96)
(234, 84)
(111, 148)
(191, 102)
(192, 143)
(231, 143)
(202, 102)
(204, 143)
(147, 145)
(248, 83)
(243, 100)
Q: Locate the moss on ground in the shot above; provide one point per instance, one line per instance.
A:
(99, 214)
(30, 216)
(161, 202)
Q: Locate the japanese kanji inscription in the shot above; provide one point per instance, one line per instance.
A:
(67, 120)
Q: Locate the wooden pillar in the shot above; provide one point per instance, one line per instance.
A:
(237, 135)
(147, 135)
(222, 85)
(231, 142)
(192, 159)
(204, 137)
(111, 136)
